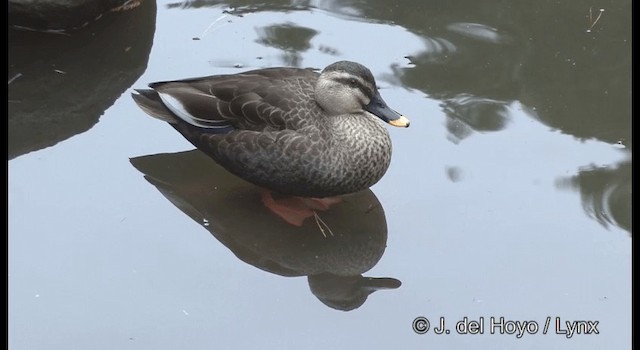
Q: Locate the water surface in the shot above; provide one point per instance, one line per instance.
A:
(509, 195)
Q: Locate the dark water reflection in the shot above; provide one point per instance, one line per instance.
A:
(232, 211)
(60, 84)
(580, 81)
(540, 54)
(468, 113)
(605, 194)
(291, 39)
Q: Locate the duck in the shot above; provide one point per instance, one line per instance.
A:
(293, 131)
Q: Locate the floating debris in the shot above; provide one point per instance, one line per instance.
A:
(619, 144)
(591, 20)
(206, 31)
(14, 78)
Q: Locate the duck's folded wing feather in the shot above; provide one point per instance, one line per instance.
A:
(194, 106)
(258, 100)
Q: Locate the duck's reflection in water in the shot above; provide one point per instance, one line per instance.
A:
(231, 209)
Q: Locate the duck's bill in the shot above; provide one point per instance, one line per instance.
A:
(402, 122)
(379, 108)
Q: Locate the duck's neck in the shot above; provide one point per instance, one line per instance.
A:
(362, 145)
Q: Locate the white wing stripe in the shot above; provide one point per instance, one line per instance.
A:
(178, 109)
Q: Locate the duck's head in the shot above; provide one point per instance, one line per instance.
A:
(348, 87)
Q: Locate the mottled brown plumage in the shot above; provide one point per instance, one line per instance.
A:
(290, 130)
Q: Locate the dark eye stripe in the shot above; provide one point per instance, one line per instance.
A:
(349, 81)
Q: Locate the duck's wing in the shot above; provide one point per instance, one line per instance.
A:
(255, 100)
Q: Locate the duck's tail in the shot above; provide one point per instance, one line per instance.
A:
(149, 101)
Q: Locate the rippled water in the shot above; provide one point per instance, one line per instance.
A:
(509, 195)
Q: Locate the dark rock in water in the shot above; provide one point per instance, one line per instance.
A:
(58, 14)
(60, 85)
